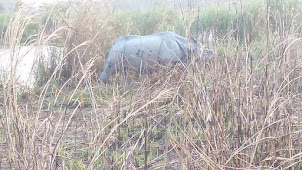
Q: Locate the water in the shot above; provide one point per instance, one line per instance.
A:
(24, 62)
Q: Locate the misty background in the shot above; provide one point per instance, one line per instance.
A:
(113, 5)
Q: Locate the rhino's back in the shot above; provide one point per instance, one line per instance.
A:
(166, 45)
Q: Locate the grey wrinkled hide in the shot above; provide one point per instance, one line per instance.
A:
(144, 53)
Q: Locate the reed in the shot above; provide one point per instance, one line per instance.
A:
(240, 111)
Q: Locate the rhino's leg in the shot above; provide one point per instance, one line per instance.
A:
(164, 72)
(124, 75)
(162, 66)
(122, 67)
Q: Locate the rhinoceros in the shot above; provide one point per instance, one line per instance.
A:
(145, 53)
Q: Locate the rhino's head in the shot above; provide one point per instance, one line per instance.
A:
(200, 53)
(104, 77)
(207, 54)
(108, 71)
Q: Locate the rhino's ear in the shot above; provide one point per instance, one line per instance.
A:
(193, 40)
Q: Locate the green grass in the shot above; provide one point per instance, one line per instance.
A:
(4, 19)
(242, 110)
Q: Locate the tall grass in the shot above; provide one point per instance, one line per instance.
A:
(240, 111)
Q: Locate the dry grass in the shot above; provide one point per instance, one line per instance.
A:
(240, 111)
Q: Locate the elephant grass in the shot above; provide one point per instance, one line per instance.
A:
(240, 111)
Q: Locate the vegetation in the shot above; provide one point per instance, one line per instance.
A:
(242, 110)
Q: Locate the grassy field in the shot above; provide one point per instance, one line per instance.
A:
(242, 110)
